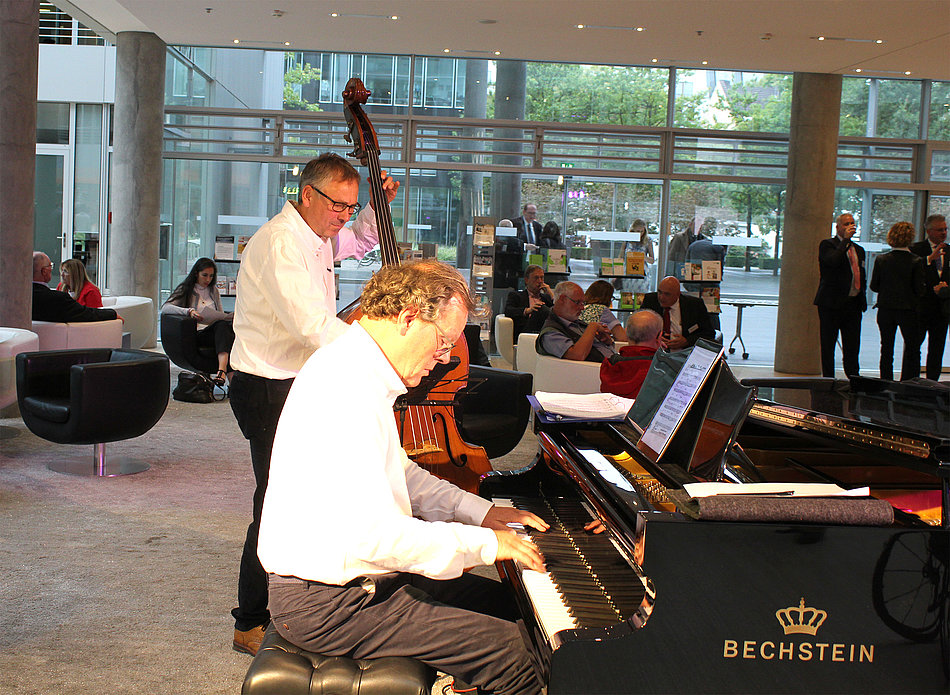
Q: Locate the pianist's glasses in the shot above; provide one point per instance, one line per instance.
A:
(445, 347)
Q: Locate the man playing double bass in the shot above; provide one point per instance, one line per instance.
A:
(285, 310)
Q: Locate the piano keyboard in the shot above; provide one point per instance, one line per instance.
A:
(588, 583)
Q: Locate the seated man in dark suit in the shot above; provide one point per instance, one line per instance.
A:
(625, 377)
(529, 308)
(59, 307)
(685, 318)
(564, 335)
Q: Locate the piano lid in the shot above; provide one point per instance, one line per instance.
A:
(910, 407)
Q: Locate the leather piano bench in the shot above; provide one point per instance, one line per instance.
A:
(280, 668)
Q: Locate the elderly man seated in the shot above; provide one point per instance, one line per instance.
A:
(59, 307)
(564, 335)
(685, 318)
(624, 374)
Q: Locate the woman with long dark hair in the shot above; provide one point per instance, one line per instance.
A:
(197, 296)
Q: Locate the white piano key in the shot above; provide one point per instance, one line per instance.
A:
(548, 602)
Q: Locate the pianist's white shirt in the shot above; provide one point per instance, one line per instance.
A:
(342, 496)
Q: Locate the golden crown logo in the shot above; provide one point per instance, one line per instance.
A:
(800, 619)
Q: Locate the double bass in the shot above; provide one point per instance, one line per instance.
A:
(425, 416)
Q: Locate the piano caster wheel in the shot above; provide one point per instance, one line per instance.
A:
(745, 355)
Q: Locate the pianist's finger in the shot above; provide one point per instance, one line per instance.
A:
(513, 547)
(595, 526)
(499, 517)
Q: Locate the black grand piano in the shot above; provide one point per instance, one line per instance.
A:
(759, 594)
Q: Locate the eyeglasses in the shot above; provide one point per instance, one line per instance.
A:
(336, 205)
(578, 302)
(446, 346)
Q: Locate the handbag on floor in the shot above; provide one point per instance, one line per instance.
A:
(195, 387)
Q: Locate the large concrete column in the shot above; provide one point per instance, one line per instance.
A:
(810, 191)
(137, 166)
(19, 57)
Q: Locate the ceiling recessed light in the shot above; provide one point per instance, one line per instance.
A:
(654, 60)
(821, 38)
(497, 53)
(705, 62)
(334, 14)
(580, 26)
(857, 69)
(237, 40)
(879, 41)
(639, 28)
(446, 50)
(906, 72)
(394, 17)
(286, 43)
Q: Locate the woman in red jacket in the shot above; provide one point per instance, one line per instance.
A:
(77, 284)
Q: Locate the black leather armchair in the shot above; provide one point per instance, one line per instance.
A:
(494, 410)
(92, 396)
(180, 343)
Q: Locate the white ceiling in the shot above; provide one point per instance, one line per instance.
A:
(756, 35)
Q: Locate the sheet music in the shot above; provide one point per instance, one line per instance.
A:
(209, 315)
(677, 401)
(584, 405)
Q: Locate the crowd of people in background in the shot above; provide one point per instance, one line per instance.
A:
(911, 282)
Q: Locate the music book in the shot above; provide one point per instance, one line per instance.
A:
(584, 406)
(672, 410)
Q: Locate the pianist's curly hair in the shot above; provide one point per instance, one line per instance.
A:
(427, 284)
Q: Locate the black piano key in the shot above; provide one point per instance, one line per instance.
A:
(597, 586)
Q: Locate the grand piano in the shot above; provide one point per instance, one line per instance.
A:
(678, 598)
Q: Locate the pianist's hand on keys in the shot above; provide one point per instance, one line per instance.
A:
(511, 546)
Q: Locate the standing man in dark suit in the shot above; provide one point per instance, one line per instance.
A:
(59, 307)
(685, 318)
(841, 296)
(529, 229)
(528, 308)
(933, 320)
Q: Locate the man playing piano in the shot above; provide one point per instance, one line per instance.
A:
(365, 550)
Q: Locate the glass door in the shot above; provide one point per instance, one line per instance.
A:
(52, 205)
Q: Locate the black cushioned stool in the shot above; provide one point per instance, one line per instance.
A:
(280, 668)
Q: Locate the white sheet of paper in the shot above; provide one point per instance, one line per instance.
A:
(584, 405)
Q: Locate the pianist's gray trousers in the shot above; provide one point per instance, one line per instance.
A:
(466, 627)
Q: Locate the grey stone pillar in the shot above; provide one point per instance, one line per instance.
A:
(137, 166)
(810, 190)
(19, 57)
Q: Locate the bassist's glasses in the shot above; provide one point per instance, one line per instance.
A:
(336, 205)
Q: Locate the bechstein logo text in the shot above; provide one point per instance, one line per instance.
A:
(795, 621)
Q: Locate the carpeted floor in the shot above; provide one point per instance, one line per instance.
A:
(124, 585)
